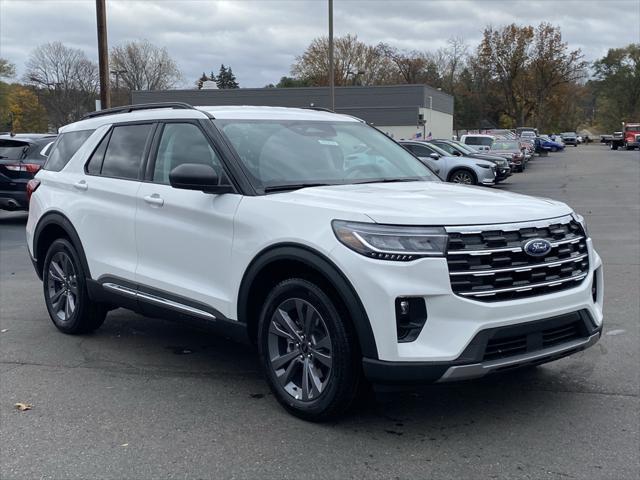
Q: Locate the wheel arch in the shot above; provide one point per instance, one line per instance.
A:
(282, 261)
(51, 226)
(462, 168)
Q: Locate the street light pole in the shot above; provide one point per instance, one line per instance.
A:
(332, 87)
(103, 54)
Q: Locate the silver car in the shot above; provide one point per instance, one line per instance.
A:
(470, 171)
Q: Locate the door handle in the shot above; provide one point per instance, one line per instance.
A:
(81, 185)
(154, 200)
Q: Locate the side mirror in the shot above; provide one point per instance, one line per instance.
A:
(195, 176)
(457, 153)
(434, 155)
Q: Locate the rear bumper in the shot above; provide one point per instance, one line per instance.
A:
(13, 200)
(473, 362)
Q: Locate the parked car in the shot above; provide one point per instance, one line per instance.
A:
(21, 156)
(479, 142)
(469, 171)
(250, 220)
(569, 138)
(549, 145)
(457, 149)
(513, 151)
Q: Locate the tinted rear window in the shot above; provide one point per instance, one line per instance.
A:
(123, 157)
(12, 149)
(479, 141)
(65, 147)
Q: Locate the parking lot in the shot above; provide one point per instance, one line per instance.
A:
(145, 398)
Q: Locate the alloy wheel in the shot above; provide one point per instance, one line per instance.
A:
(300, 350)
(62, 286)
(462, 177)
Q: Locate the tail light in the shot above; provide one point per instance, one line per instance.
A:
(32, 186)
(23, 167)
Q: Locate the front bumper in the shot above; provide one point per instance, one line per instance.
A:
(482, 356)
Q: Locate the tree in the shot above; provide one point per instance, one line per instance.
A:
(26, 112)
(145, 66)
(7, 70)
(354, 63)
(201, 80)
(65, 79)
(226, 78)
(617, 87)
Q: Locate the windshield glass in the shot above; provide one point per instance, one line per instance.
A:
(299, 153)
(486, 141)
(505, 145)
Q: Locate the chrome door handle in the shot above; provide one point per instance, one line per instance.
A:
(81, 185)
(154, 200)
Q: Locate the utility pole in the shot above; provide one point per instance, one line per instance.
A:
(332, 87)
(103, 54)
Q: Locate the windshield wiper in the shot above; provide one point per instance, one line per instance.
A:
(389, 180)
(293, 186)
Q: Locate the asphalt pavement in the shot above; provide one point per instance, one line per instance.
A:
(149, 399)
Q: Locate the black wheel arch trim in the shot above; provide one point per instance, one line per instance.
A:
(324, 266)
(60, 220)
(463, 169)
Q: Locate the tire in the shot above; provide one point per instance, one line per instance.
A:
(324, 349)
(64, 280)
(554, 149)
(613, 147)
(463, 176)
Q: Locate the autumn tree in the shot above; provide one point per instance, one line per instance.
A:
(144, 66)
(66, 80)
(616, 87)
(27, 114)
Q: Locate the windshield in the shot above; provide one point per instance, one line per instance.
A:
(280, 153)
(505, 145)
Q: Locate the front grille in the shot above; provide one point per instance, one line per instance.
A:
(489, 263)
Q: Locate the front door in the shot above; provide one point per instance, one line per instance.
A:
(184, 237)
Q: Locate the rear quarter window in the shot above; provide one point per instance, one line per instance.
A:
(64, 148)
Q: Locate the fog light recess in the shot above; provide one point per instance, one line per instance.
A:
(411, 315)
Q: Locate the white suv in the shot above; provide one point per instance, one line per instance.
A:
(314, 235)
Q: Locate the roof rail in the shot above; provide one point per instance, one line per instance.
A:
(141, 106)
(320, 109)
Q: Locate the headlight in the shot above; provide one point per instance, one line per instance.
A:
(387, 242)
(483, 166)
(583, 223)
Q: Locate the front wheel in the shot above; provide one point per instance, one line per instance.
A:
(307, 351)
(462, 176)
(65, 291)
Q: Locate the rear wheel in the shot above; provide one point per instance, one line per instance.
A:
(65, 291)
(307, 351)
(463, 176)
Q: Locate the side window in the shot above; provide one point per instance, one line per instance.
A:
(446, 147)
(421, 150)
(124, 154)
(183, 143)
(95, 162)
(65, 147)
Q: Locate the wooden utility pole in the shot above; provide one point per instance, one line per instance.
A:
(332, 87)
(103, 54)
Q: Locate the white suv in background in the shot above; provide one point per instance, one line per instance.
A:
(313, 235)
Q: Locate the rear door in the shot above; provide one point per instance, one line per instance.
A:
(106, 198)
(184, 237)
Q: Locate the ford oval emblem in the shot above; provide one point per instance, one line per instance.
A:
(538, 247)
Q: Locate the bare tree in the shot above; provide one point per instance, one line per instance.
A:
(144, 66)
(7, 69)
(355, 62)
(66, 80)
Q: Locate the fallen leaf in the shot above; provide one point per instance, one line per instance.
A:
(23, 406)
(124, 445)
(4, 330)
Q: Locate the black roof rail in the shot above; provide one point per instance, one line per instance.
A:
(141, 106)
(320, 109)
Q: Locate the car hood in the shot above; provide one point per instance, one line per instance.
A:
(427, 203)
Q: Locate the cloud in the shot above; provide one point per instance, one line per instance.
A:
(261, 38)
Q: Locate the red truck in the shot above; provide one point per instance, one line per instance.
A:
(629, 139)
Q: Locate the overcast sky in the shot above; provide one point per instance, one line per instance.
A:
(261, 38)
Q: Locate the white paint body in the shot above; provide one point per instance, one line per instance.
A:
(199, 245)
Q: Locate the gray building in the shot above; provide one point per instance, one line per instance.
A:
(402, 111)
